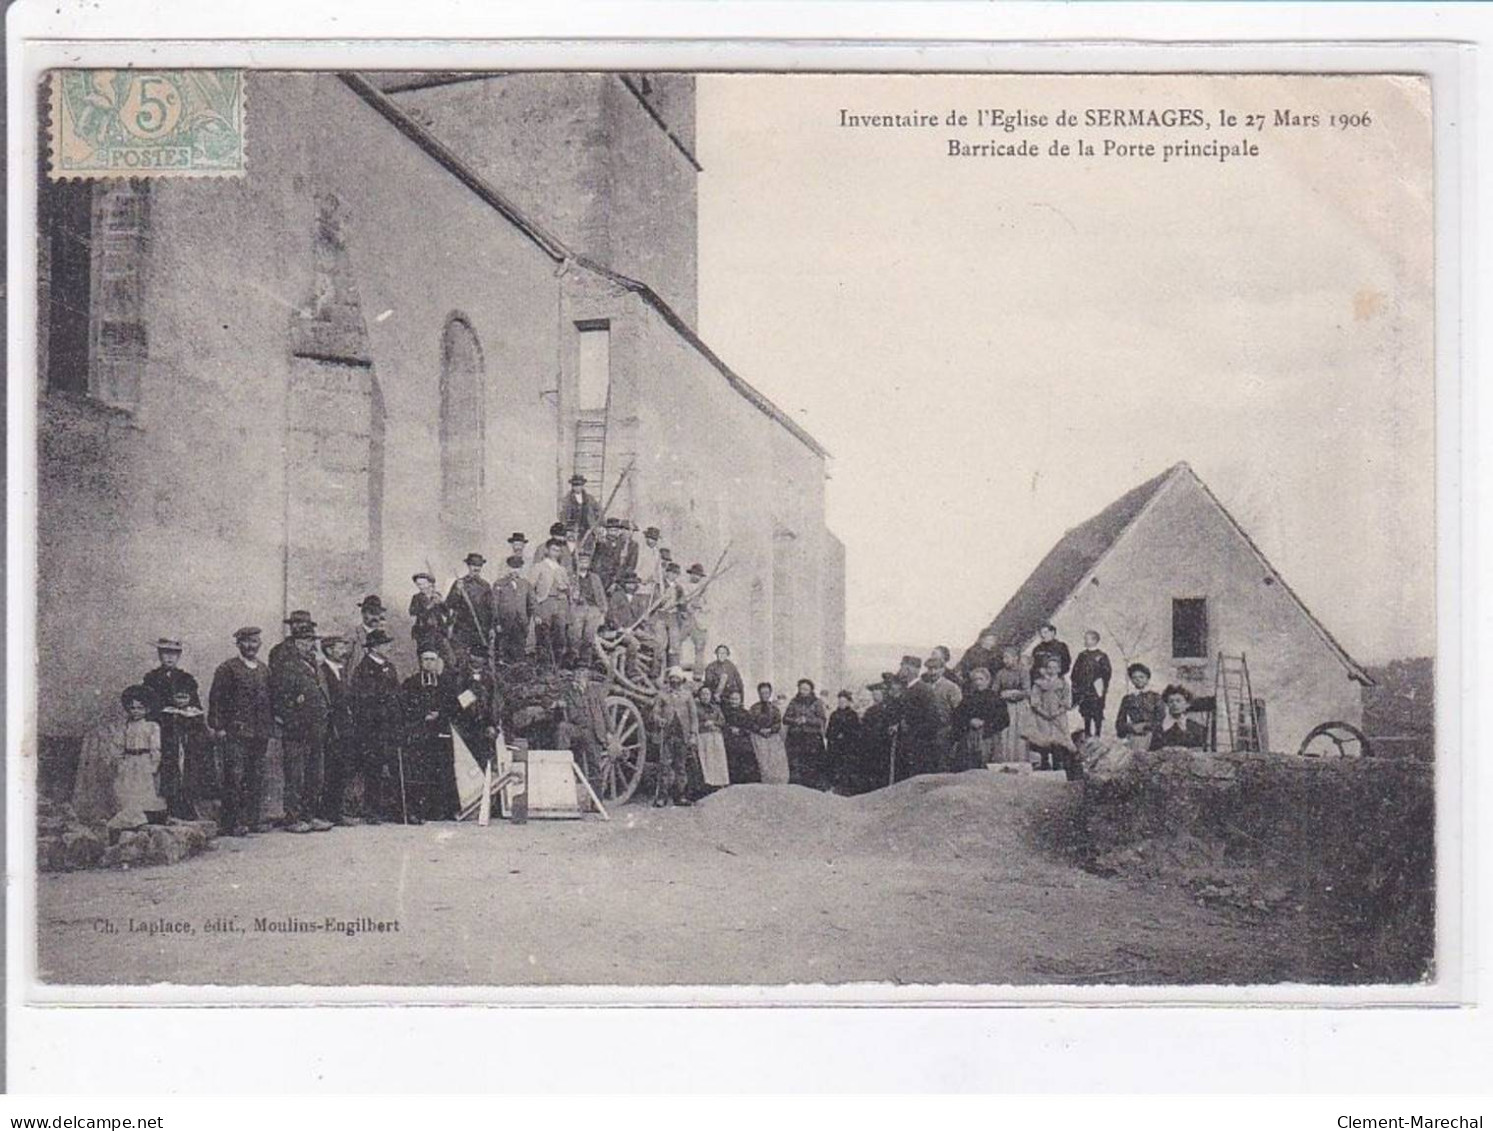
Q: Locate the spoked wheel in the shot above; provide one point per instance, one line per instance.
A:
(620, 766)
(1335, 740)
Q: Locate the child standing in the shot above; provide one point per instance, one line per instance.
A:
(137, 776)
(1091, 676)
(1047, 717)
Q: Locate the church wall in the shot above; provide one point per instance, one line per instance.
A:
(171, 518)
(579, 156)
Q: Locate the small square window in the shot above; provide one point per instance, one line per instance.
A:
(1189, 627)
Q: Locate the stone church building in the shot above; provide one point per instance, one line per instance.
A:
(429, 299)
(1168, 577)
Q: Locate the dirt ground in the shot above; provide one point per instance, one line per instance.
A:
(946, 879)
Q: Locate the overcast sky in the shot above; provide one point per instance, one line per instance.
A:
(994, 349)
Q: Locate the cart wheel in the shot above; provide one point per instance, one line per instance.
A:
(620, 766)
(1335, 740)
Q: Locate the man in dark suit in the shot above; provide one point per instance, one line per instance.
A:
(1050, 645)
(376, 717)
(302, 710)
(1176, 728)
(471, 607)
(578, 510)
(339, 740)
(239, 713)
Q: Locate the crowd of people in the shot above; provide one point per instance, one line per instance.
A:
(998, 706)
(358, 744)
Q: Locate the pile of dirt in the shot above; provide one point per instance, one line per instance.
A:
(778, 821)
(927, 818)
(938, 816)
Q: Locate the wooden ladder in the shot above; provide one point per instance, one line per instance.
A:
(1234, 705)
(590, 457)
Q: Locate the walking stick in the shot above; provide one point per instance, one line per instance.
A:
(590, 531)
(404, 808)
(891, 770)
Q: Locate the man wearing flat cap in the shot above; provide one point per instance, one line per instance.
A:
(240, 714)
(513, 601)
(166, 683)
(303, 708)
(578, 510)
(471, 605)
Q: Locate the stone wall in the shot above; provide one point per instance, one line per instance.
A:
(1348, 841)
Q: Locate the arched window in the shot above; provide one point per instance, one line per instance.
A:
(463, 428)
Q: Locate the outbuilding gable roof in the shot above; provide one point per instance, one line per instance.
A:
(1079, 551)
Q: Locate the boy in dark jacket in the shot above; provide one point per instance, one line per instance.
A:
(1091, 677)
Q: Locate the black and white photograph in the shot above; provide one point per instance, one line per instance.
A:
(507, 530)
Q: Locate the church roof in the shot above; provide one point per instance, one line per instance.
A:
(373, 90)
(1079, 551)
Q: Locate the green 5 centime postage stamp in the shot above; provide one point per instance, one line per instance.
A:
(136, 123)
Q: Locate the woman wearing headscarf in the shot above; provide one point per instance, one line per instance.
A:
(805, 720)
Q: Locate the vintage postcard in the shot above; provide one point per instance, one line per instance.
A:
(864, 534)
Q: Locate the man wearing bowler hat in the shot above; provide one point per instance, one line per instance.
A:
(374, 701)
(303, 707)
(471, 605)
(240, 714)
(371, 614)
(286, 647)
(579, 512)
(518, 545)
(613, 556)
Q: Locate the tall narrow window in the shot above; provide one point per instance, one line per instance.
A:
(595, 367)
(463, 429)
(1190, 628)
(67, 218)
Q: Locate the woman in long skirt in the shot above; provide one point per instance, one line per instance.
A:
(767, 738)
(805, 720)
(980, 721)
(741, 759)
(713, 765)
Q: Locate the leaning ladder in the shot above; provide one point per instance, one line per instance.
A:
(1234, 703)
